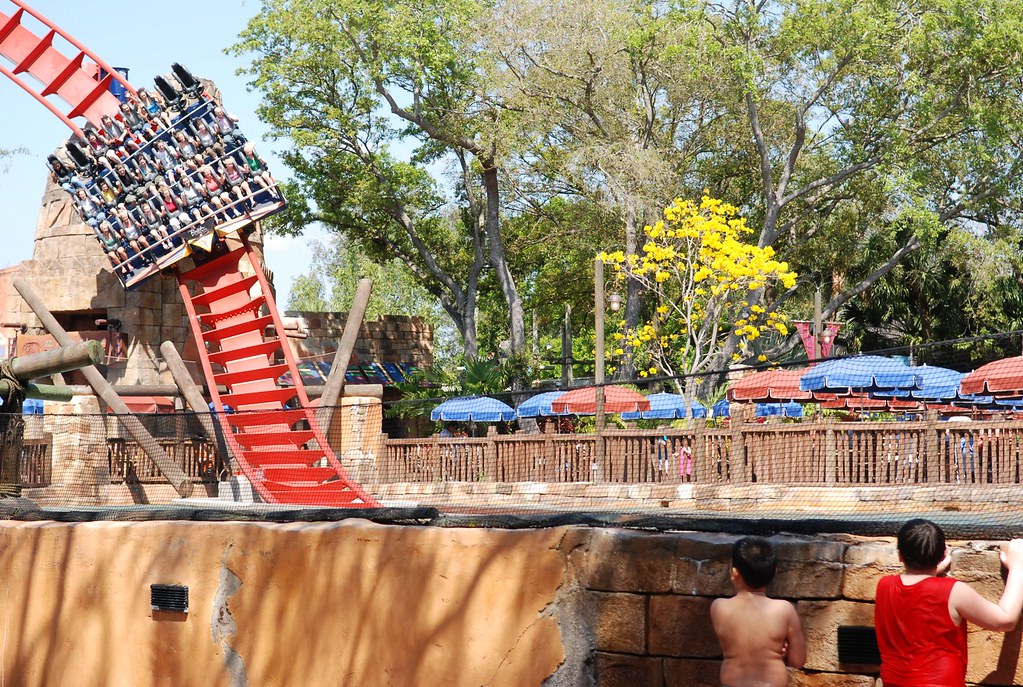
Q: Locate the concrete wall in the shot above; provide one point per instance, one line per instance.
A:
(355, 603)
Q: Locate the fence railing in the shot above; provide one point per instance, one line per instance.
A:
(127, 461)
(196, 457)
(829, 453)
(36, 464)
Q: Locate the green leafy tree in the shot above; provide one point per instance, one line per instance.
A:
(333, 278)
(349, 82)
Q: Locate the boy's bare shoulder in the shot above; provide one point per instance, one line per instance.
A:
(781, 606)
(721, 603)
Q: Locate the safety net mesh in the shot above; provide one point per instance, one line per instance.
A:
(853, 443)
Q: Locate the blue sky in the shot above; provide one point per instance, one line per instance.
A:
(146, 38)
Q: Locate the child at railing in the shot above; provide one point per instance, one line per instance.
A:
(759, 636)
(921, 615)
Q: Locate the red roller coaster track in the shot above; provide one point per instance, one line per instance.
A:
(269, 428)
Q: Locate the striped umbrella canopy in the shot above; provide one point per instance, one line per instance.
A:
(769, 386)
(720, 409)
(859, 373)
(617, 399)
(665, 407)
(473, 409)
(790, 409)
(937, 384)
(860, 401)
(539, 405)
(999, 378)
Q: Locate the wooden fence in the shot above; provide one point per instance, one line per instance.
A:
(830, 453)
(127, 461)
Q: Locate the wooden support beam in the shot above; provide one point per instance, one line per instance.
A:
(41, 392)
(63, 359)
(194, 398)
(171, 470)
(334, 387)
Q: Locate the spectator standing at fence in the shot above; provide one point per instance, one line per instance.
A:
(921, 615)
(759, 637)
(685, 459)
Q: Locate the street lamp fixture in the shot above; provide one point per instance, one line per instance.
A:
(614, 301)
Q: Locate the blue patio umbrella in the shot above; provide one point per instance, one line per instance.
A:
(473, 409)
(790, 409)
(539, 405)
(720, 409)
(859, 373)
(936, 384)
(665, 407)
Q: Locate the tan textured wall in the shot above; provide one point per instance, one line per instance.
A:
(303, 604)
(358, 604)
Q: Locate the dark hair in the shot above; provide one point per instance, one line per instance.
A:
(754, 558)
(922, 544)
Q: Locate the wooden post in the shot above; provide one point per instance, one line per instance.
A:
(703, 471)
(336, 379)
(489, 456)
(600, 458)
(12, 436)
(42, 392)
(63, 359)
(737, 452)
(930, 463)
(195, 400)
(12, 424)
(831, 451)
(172, 471)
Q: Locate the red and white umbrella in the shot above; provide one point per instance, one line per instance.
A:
(1003, 378)
(617, 399)
(769, 386)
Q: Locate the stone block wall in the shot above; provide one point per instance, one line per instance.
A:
(388, 339)
(354, 603)
(651, 596)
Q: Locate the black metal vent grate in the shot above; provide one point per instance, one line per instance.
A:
(168, 597)
(858, 645)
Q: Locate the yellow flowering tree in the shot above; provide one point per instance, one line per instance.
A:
(698, 272)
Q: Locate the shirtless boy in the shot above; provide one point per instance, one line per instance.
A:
(759, 636)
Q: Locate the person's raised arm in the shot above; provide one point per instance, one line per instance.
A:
(967, 603)
(795, 644)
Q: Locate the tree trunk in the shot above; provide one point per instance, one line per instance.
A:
(499, 260)
(633, 291)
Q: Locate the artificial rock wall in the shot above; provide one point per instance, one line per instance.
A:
(388, 339)
(354, 603)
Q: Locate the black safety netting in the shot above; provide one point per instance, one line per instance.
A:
(854, 443)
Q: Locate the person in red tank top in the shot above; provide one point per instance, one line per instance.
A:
(920, 616)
